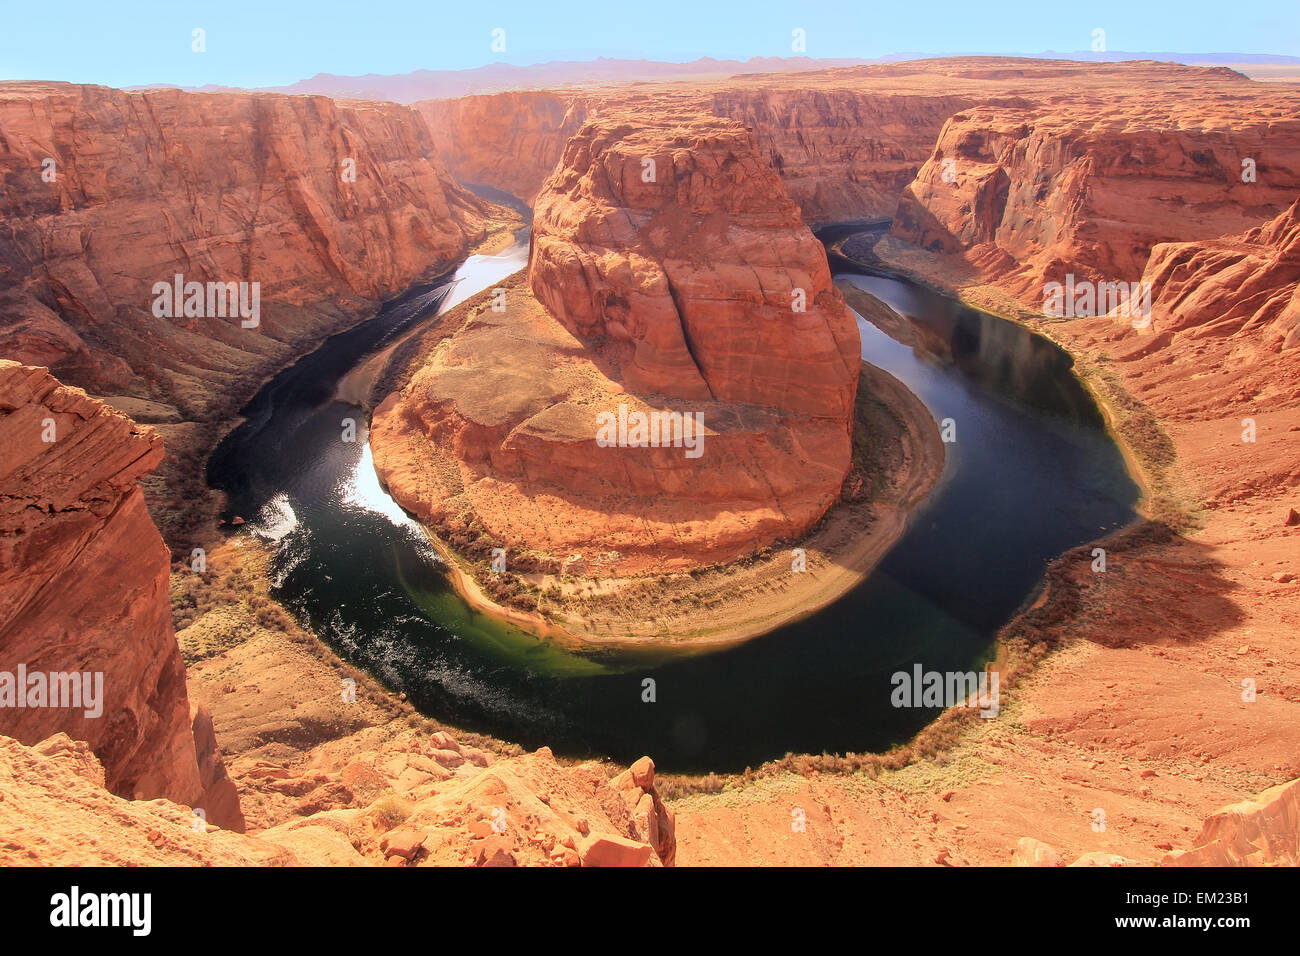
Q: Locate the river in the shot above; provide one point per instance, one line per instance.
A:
(1032, 473)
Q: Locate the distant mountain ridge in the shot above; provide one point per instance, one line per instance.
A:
(500, 77)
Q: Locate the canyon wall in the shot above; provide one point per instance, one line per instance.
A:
(842, 153)
(1090, 184)
(329, 207)
(670, 272)
(1024, 170)
(84, 590)
(510, 141)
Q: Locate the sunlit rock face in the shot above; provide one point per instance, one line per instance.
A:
(84, 592)
(329, 207)
(1089, 182)
(1240, 286)
(679, 255)
(670, 273)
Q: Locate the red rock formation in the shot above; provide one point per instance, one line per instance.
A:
(1089, 183)
(843, 153)
(1246, 285)
(668, 295)
(84, 590)
(1264, 831)
(1028, 169)
(427, 807)
(216, 187)
(700, 284)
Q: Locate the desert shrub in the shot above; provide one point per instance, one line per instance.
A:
(389, 812)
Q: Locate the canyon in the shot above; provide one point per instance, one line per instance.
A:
(138, 775)
(329, 208)
(1129, 697)
(1049, 163)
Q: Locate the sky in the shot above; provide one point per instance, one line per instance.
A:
(276, 42)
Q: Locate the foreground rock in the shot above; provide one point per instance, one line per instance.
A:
(1264, 831)
(83, 594)
(521, 811)
(84, 589)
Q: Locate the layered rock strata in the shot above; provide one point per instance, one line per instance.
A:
(1025, 170)
(510, 141)
(83, 595)
(1087, 184)
(1245, 286)
(328, 207)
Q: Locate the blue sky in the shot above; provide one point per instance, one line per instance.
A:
(273, 42)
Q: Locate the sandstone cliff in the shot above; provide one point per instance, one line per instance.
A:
(511, 141)
(139, 187)
(669, 273)
(1025, 170)
(1244, 286)
(1088, 183)
(843, 153)
(677, 254)
(83, 590)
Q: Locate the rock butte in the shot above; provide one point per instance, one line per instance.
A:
(673, 294)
